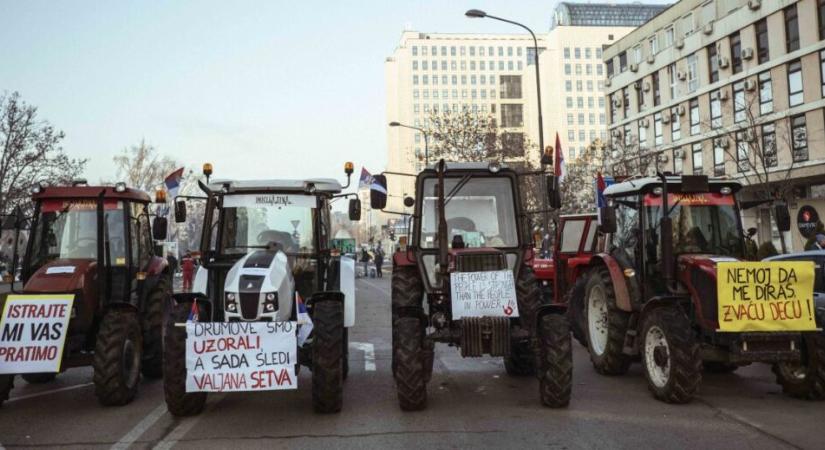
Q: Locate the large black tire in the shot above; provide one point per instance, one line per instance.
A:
(152, 322)
(39, 378)
(575, 311)
(327, 356)
(522, 361)
(408, 356)
(6, 385)
(117, 357)
(345, 361)
(605, 337)
(556, 361)
(178, 401)
(407, 293)
(806, 380)
(670, 355)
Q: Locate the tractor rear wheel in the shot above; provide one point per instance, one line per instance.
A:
(152, 321)
(408, 357)
(117, 357)
(805, 380)
(555, 360)
(522, 361)
(670, 355)
(345, 361)
(6, 385)
(39, 378)
(327, 356)
(576, 311)
(178, 401)
(606, 325)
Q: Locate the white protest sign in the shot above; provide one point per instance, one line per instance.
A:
(240, 356)
(33, 332)
(480, 294)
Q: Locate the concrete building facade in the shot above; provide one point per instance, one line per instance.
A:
(710, 86)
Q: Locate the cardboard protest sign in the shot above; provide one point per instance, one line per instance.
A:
(765, 296)
(240, 356)
(480, 294)
(33, 331)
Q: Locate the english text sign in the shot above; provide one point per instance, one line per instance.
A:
(480, 294)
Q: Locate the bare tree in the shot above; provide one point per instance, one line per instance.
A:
(577, 189)
(31, 152)
(142, 167)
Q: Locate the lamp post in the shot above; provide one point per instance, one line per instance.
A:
(426, 139)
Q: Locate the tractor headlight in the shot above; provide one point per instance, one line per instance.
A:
(726, 190)
(230, 296)
(270, 307)
(120, 187)
(270, 297)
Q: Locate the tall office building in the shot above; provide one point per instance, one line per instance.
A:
(729, 88)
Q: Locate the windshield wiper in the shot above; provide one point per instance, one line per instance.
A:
(457, 188)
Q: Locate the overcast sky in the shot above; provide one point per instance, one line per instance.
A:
(260, 89)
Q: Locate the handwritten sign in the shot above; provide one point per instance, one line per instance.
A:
(240, 356)
(33, 332)
(765, 296)
(480, 294)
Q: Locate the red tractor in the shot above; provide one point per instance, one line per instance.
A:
(652, 293)
(95, 242)
(468, 260)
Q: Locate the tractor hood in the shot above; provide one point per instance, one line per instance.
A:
(697, 272)
(258, 278)
(62, 276)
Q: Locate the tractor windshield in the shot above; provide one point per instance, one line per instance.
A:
(702, 223)
(479, 209)
(67, 229)
(253, 221)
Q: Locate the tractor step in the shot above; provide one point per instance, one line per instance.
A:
(485, 335)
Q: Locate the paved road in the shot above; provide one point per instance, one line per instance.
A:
(473, 403)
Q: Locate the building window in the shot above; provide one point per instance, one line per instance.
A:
(822, 70)
(415, 79)
(570, 120)
(762, 49)
(568, 86)
(599, 69)
(677, 161)
(694, 117)
(622, 62)
(587, 53)
(791, 29)
(580, 102)
(718, 160)
(656, 92)
(713, 63)
(510, 86)
(571, 135)
(569, 102)
(609, 64)
(415, 51)
(628, 135)
(820, 10)
(654, 45)
(669, 37)
(693, 76)
(511, 116)
(590, 102)
(795, 95)
(739, 106)
(672, 76)
(578, 69)
(675, 128)
(640, 97)
(697, 158)
(601, 102)
(626, 102)
(566, 52)
(581, 118)
(742, 153)
(735, 53)
(598, 52)
(799, 138)
(642, 134)
(568, 69)
(769, 145)
(715, 111)
(578, 53)
(637, 54)
(657, 129)
(614, 110)
(452, 51)
(766, 93)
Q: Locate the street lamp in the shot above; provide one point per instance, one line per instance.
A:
(426, 139)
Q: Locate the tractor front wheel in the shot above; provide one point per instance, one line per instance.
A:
(152, 321)
(117, 357)
(408, 357)
(555, 360)
(606, 325)
(328, 356)
(670, 357)
(806, 379)
(6, 385)
(522, 361)
(178, 401)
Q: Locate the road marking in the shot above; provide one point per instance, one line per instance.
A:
(185, 426)
(136, 432)
(53, 391)
(369, 354)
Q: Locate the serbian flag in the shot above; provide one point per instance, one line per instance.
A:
(193, 312)
(559, 170)
(366, 180)
(172, 182)
(304, 321)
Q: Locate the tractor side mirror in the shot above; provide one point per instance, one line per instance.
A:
(180, 211)
(354, 209)
(783, 217)
(608, 219)
(553, 194)
(409, 202)
(378, 192)
(159, 226)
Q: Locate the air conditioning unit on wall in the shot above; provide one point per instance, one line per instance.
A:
(754, 4)
(681, 75)
(662, 158)
(646, 86)
(708, 29)
(679, 153)
(724, 62)
(750, 85)
(680, 110)
(666, 119)
(680, 43)
(644, 123)
(651, 59)
(721, 142)
(617, 102)
(723, 95)
(608, 82)
(747, 53)
(634, 67)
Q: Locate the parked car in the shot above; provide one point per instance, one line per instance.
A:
(818, 258)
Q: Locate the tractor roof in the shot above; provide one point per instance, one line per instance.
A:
(322, 185)
(646, 184)
(90, 192)
(480, 166)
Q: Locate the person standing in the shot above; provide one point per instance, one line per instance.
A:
(365, 260)
(188, 269)
(379, 261)
(751, 249)
(173, 263)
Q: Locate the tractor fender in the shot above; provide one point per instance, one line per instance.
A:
(403, 259)
(658, 302)
(616, 276)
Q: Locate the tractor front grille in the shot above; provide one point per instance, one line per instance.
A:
(480, 262)
(249, 305)
(705, 287)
